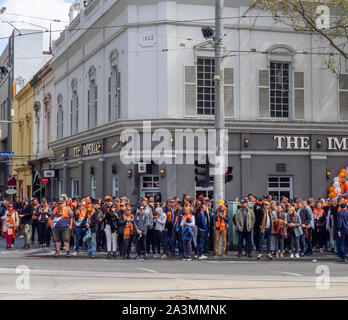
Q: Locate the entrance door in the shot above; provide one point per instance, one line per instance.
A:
(150, 186)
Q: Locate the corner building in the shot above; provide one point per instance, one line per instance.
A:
(120, 62)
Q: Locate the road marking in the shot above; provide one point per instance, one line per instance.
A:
(214, 262)
(148, 270)
(291, 274)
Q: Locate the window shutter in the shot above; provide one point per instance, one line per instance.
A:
(264, 105)
(299, 95)
(229, 92)
(118, 87)
(190, 91)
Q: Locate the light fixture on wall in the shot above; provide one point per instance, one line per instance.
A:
(319, 144)
(328, 175)
(163, 172)
(123, 142)
(129, 172)
(246, 143)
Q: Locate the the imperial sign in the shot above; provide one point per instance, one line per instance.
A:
(88, 149)
(303, 143)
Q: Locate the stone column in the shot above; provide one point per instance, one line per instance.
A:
(82, 178)
(318, 175)
(67, 184)
(101, 179)
(245, 174)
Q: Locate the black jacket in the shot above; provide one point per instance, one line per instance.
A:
(121, 222)
(28, 213)
(93, 223)
(111, 219)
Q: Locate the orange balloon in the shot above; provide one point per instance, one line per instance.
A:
(342, 174)
(332, 195)
(332, 189)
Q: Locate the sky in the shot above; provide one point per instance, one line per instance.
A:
(52, 9)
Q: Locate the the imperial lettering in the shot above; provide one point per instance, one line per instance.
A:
(91, 148)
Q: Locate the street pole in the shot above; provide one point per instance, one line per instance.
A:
(219, 181)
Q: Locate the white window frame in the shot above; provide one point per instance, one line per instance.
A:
(280, 189)
(115, 185)
(212, 96)
(93, 187)
(113, 105)
(339, 91)
(74, 186)
(149, 191)
(290, 88)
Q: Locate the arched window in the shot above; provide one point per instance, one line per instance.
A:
(114, 88)
(60, 122)
(92, 99)
(74, 109)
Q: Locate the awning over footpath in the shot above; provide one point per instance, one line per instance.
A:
(11, 182)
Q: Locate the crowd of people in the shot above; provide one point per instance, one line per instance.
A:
(187, 228)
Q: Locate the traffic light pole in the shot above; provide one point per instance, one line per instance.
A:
(219, 177)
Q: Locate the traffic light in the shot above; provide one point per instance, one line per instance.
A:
(202, 174)
(229, 175)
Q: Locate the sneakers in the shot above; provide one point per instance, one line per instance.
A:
(184, 259)
(164, 256)
(321, 250)
(269, 256)
(259, 256)
(297, 256)
(196, 257)
(156, 256)
(202, 257)
(57, 254)
(68, 253)
(215, 257)
(189, 259)
(75, 253)
(292, 256)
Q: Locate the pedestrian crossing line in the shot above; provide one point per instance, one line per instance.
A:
(148, 270)
(291, 274)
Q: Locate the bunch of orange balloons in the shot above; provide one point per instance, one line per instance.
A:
(337, 186)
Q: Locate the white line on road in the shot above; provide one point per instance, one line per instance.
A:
(148, 270)
(291, 274)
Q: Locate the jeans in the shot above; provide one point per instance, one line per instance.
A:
(177, 239)
(160, 242)
(331, 241)
(92, 244)
(80, 233)
(303, 242)
(265, 236)
(168, 240)
(33, 229)
(339, 246)
(202, 235)
(344, 245)
(127, 246)
(140, 244)
(247, 236)
(188, 248)
(42, 232)
(279, 244)
(151, 241)
(295, 242)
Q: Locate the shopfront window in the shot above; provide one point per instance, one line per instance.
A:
(74, 188)
(280, 187)
(150, 187)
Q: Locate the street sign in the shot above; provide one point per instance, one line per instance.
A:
(49, 173)
(45, 180)
(11, 191)
(6, 154)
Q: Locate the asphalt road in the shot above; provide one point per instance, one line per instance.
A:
(230, 278)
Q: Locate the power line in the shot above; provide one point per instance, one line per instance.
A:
(141, 23)
(34, 17)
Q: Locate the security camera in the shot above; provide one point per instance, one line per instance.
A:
(208, 32)
(2, 10)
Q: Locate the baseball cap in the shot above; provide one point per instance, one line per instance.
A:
(108, 198)
(221, 202)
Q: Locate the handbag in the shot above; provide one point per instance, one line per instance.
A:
(88, 236)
